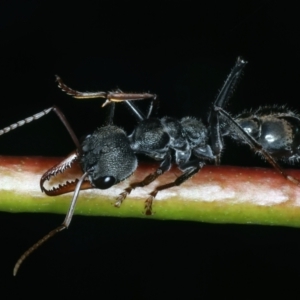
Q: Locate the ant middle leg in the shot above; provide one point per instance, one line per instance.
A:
(114, 96)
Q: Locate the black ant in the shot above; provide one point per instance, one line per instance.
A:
(108, 156)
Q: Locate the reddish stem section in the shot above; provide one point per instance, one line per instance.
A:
(216, 194)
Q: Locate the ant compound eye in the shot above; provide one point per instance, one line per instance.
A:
(104, 182)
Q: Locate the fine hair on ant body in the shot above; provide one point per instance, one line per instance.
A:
(108, 156)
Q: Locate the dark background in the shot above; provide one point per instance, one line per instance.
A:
(183, 53)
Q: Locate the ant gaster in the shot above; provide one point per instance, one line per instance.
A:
(108, 156)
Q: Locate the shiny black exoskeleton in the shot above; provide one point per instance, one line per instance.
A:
(276, 129)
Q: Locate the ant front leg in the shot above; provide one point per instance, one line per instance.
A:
(164, 167)
(191, 168)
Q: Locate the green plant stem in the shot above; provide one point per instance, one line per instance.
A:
(215, 194)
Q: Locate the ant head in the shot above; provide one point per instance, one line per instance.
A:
(107, 157)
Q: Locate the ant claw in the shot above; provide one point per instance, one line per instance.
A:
(148, 206)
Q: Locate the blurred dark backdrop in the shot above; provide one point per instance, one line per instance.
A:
(183, 52)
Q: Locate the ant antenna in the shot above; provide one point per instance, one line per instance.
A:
(65, 224)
